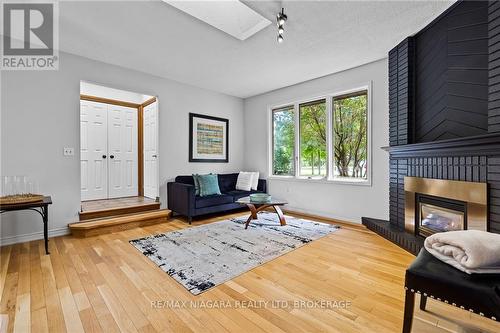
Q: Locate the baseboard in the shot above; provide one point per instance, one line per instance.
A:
(323, 214)
(33, 236)
(301, 213)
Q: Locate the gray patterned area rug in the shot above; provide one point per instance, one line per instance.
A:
(202, 257)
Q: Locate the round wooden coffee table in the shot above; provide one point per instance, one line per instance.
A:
(257, 206)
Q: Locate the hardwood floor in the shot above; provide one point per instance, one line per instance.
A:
(96, 209)
(115, 203)
(103, 284)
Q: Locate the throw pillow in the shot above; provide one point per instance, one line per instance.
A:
(196, 184)
(209, 185)
(255, 181)
(244, 182)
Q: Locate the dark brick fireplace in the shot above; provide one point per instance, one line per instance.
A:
(444, 111)
(472, 159)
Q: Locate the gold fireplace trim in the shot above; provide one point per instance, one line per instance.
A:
(474, 194)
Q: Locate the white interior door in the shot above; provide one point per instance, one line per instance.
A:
(93, 150)
(122, 151)
(151, 184)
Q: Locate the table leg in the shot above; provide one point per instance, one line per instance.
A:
(280, 215)
(45, 217)
(253, 211)
(253, 214)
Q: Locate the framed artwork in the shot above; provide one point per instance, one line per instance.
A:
(208, 139)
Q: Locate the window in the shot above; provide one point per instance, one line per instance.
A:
(326, 138)
(313, 139)
(284, 141)
(350, 136)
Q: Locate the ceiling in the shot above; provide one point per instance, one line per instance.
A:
(321, 37)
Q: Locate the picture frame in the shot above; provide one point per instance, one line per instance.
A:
(208, 139)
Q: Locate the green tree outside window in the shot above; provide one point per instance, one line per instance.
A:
(283, 141)
(313, 154)
(350, 139)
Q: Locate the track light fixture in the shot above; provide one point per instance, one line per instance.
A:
(280, 22)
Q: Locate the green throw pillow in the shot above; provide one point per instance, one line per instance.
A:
(196, 183)
(209, 184)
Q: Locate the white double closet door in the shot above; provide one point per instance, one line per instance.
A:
(108, 150)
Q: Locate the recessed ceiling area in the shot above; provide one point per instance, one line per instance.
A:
(98, 90)
(231, 16)
(322, 37)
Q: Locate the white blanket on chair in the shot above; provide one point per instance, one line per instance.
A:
(471, 251)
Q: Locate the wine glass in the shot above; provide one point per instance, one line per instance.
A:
(7, 185)
(19, 185)
(32, 187)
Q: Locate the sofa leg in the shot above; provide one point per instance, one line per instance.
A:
(190, 219)
(408, 315)
(423, 302)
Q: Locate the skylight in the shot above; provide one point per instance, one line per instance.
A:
(230, 16)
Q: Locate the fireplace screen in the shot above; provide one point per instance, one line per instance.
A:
(438, 216)
(435, 205)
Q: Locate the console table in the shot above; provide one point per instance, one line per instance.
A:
(41, 207)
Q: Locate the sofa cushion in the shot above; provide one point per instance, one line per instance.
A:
(213, 200)
(237, 194)
(227, 181)
(196, 183)
(209, 184)
(255, 180)
(245, 181)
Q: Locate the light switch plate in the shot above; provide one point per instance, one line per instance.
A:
(69, 151)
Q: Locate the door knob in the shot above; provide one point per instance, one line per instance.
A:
(154, 156)
(103, 156)
(111, 156)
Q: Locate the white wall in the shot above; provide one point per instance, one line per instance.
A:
(341, 201)
(40, 116)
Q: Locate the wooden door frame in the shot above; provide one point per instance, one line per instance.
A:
(140, 130)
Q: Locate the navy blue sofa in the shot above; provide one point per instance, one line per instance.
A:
(182, 199)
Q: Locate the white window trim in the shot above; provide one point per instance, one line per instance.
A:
(329, 178)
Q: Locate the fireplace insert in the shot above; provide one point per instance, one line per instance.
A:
(436, 214)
